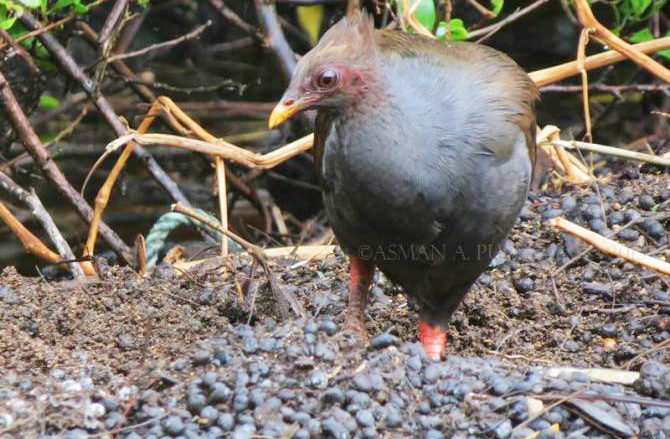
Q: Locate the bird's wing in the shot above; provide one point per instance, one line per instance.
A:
(322, 126)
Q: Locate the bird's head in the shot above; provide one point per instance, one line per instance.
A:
(335, 73)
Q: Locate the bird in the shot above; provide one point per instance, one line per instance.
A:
(424, 150)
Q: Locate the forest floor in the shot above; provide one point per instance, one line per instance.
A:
(188, 355)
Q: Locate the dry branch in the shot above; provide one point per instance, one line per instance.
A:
(34, 146)
(563, 71)
(273, 36)
(611, 247)
(589, 21)
(75, 71)
(170, 43)
(221, 148)
(37, 209)
(30, 242)
(610, 150)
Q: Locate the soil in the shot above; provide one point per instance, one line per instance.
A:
(68, 345)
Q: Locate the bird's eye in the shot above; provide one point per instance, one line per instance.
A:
(328, 78)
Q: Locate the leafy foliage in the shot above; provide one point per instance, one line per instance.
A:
(455, 28)
(645, 35)
(424, 11)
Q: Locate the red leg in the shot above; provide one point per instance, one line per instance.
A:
(359, 283)
(433, 339)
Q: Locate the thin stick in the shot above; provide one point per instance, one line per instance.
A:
(19, 50)
(614, 89)
(282, 298)
(77, 73)
(141, 249)
(121, 68)
(610, 247)
(105, 191)
(482, 10)
(223, 200)
(231, 16)
(505, 21)
(610, 150)
(221, 148)
(588, 20)
(30, 242)
(273, 36)
(581, 55)
(170, 43)
(562, 71)
(112, 19)
(34, 146)
(48, 27)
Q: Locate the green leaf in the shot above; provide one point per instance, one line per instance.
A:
(497, 6)
(645, 35)
(7, 23)
(48, 102)
(455, 26)
(424, 11)
(32, 4)
(639, 6)
(641, 36)
(60, 4)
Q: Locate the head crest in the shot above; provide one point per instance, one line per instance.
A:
(353, 8)
(355, 30)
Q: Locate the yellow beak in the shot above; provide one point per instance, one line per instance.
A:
(283, 112)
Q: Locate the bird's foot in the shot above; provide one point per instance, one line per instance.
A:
(433, 339)
(356, 324)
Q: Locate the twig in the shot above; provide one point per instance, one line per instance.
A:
(19, 50)
(610, 150)
(547, 409)
(132, 27)
(219, 149)
(230, 45)
(230, 108)
(589, 21)
(72, 68)
(121, 68)
(111, 22)
(612, 398)
(24, 157)
(223, 200)
(170, 43)
(562, 71)
(30, 242)
(490, 30)
(616, 89)
(141, 249)
(662, 345)
(48, 27)
(34, 146)
(584, 252)
(37, 209)
(611, 247)
(273, 36)
(282, 297)
(231, 16)
(481, 9)
(581, 56)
